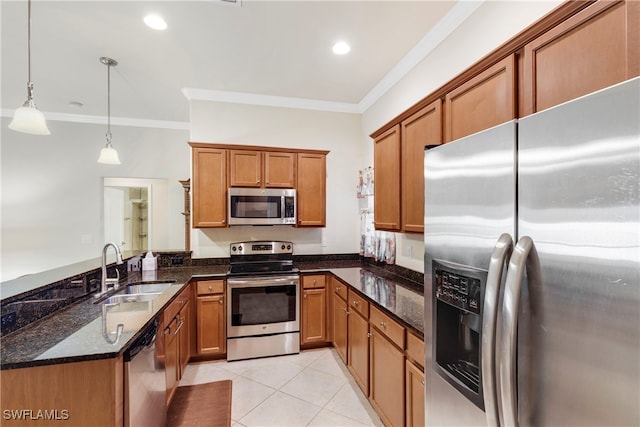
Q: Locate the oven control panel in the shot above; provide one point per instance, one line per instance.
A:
(260, 248)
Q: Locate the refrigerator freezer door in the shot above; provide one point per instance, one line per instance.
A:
(579, 200)
(469, 204)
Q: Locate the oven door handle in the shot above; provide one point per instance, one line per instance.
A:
(262, 280)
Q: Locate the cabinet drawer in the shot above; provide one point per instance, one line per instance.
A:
(208, 287)
(340, 289)
(415, 349)
(313, 281)
(359, 304)
(389, 327)
(176, 305)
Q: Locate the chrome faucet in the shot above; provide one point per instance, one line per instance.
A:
(104, 281)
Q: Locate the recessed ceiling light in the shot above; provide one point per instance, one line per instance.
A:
(155, 21)
(341, 48)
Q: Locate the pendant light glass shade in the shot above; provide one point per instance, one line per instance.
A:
(109, 155)
(28, 119)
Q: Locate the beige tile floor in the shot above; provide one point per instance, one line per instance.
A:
(312, 388)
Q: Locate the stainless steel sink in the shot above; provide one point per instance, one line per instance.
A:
(143, 288)
(139, 297)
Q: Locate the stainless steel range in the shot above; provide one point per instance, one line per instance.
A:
(263, 300)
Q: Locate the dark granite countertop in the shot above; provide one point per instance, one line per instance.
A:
(78, 332)
(400, 297)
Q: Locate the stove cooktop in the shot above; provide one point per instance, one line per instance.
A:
(261, 268)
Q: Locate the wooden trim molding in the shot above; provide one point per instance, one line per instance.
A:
(255, 147)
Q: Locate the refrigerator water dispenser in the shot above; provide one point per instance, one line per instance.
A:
(457, 324)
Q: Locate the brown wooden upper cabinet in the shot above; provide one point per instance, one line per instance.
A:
(386, 176)
(484, 101)
(215, 167)
(209, 187)
(594, 49)
(249, 168)
(422, 128)
(311, 189)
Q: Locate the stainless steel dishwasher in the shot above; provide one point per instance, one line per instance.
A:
(145, 383)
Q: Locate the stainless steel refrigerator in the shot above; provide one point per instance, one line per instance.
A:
(532, 269)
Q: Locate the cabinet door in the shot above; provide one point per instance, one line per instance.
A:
(423, 128)
(211, 327)
(594, 49)
(340, 327)
(314, 322)
(209, 187)
(358, 352)
(414, 395)
(311, 190)
(485, 101)
(279, 170)
(386, 171)
(171, 356)
(387, 380)
(245, 168)
(184, 337)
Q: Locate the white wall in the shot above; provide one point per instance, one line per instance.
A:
(339, 133)
(52, 186)
(52, 190)
(488, 27)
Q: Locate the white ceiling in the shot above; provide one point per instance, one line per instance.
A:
(211, 50)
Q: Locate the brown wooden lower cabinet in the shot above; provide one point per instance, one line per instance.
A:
(171, 369)
(177, 339)
(387, 379)
(414, 395)
(313, 309)
(358, 349)
(87, 393)
(314, 320)
(211, 330)
(340, 324)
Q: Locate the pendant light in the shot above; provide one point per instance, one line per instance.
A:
(28, 119)
(108, 154)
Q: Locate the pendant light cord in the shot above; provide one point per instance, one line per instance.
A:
(108, 104)
(29, 82)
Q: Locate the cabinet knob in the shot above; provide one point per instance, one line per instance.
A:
(304, 295)
(220, 301)
(422, 382)
(384, 325)
(368, 334)
(210, 288)
(355, 302)
(315, 281)
(224, 221)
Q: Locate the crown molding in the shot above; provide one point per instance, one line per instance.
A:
(193, 94)
(102, 120)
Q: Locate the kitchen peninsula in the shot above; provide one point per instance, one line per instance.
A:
(74, 344)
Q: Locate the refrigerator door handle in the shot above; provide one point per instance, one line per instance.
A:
(524, 258)
(501, 253)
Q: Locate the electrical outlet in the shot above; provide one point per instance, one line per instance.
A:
(8, 320)
(177, 260)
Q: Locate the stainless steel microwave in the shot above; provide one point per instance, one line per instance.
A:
(261, 206)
